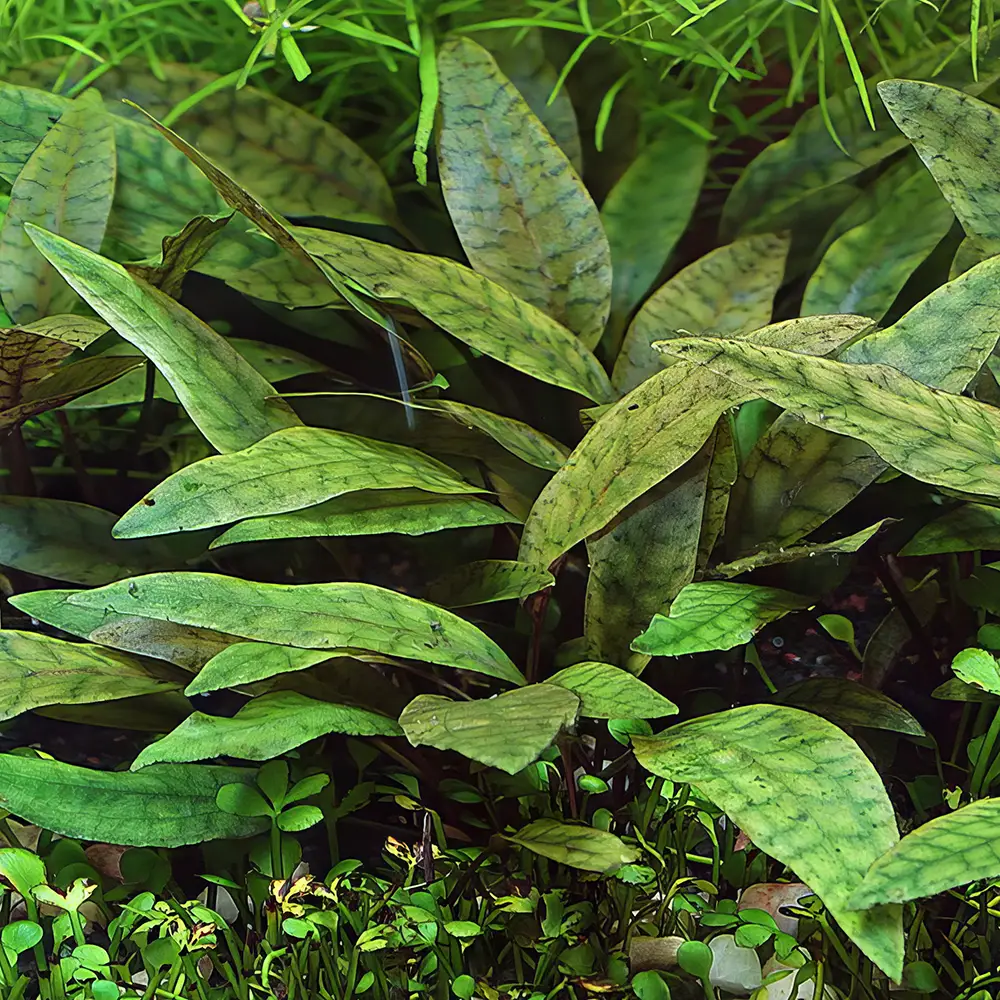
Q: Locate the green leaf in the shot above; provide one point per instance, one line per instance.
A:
(608, 692)
(976, 667)
(646, 212)
(148, 713)
(966, 528)
(232, 405)
(728, 291)
(936, 437)
(524, 217)
(467, 305)
(20, 936)
(488, 580)
(36, 670)
(72, 542)
(66, 187)
(370, 512)
(263, 728)
(299, 818)
(577, 846)
(77, 331)
(866, 268)
(947, 852)
(804, 793)
(463, 928)
(312, 616)
(23, 869)
(285, 471)
(893, 632)
(710, 616)
(247, 662)
(847, 703)
(509, 732)
(243, 800)
(166, 805)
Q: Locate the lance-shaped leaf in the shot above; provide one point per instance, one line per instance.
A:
(247, 662)
(978, 668)
(966, 528)
(802, 791)
(166, 805)
(578, 846)
(866, 268)
(524, 217)
(488, 580)
(710, 616)
(467, 305)
(608, 692)
(77, 331)
(847, 703)
(370, 512)
(181, 645)
(313, 616)
(72, 542)
(286, 471)
(509, 732)
(262, 729)
(232, 405)
(36, 670)
(949, 851)
(647, 211)
(147, 713)
(728, 291)
(180, 253)
(65, 187)
(930, 435)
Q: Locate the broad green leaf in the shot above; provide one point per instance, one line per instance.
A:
(608, 692)
(524, 217)
(847, 703)
(272, 363)
(966, 528)
(956, 690)
(166, 805)
(247, 662)
(947, 852)
(776, 557)
(575, 845)
(646, 212)
(710, 616)
(803, 792)
(312, 616)
(287, 470)
(728, 291)
(53, 608)
(72, 542)
(488, 580)
(66, 187)
(936, 437)
(370, 512)
(865, 269)
(262, 729)
(147, 713)
(36, 670)
(467, 305)
(77, 331)
(979, 668)
(22, 869)
(232, 405)
(509, 731)
(181, 645)
(641, 563)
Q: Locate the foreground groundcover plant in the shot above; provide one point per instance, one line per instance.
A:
(712, 442)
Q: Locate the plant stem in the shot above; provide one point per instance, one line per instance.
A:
(18, 463)
(985, 755)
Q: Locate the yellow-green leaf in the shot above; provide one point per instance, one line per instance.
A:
(848, 703)
(966, 528)
(247, 662)
(979, 668)
(488, 580)
(578, 846)
(608, 692)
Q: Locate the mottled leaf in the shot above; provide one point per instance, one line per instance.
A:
(967, 528)
(247, 662)
(66, 187)
(847, 703)
(467, 305)
(370, 512)
(179, 253)
(803, 792)
(181, 645)
(232, 405)
(583, 847)
(313, 616)
(262, 729)
(167, 805)
(25, 359)
(710, 616)
(286, 471)
(728, 291)
(523, 215)
(978, 668)
(508, 732)
(488, 580)
(956, 690)
(36, 670)
(608, 692)
(947, 852)
(77, 331)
